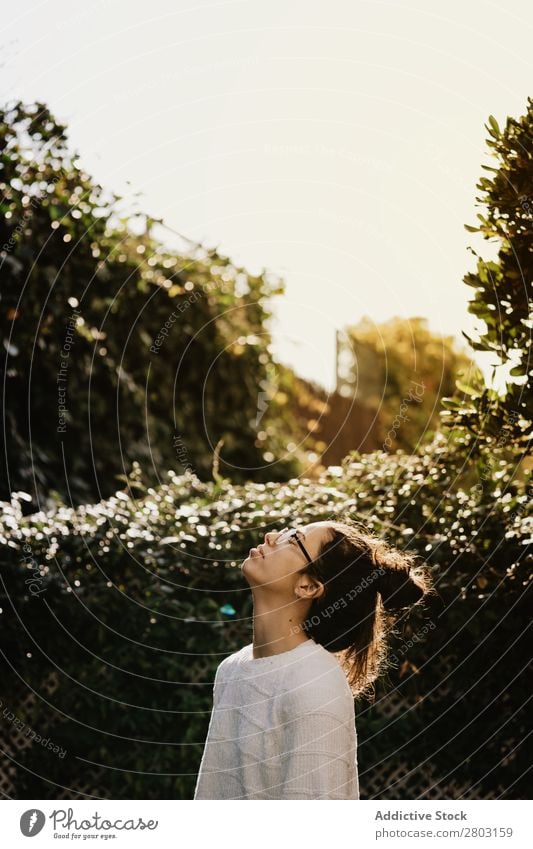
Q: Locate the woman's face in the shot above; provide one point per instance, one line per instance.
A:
(274, 565)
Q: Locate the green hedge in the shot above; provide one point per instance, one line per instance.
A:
(130, 604)
(115, 347)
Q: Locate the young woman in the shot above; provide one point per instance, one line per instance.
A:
(283, 720)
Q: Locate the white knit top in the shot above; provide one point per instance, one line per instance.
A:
(282, 727)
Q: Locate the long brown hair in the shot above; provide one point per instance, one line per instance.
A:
(367, 583)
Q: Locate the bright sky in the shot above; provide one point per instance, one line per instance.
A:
(337, 143)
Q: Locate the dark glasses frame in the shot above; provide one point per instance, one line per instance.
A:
(296, 535)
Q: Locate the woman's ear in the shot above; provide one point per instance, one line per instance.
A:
(320, 589)
(309, 588)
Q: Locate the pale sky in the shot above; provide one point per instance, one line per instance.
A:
(336, 143)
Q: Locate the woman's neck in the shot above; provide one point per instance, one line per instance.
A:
(276, 630)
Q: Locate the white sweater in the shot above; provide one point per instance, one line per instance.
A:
(282, 727)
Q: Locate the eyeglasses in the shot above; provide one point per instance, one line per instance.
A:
(294, 537)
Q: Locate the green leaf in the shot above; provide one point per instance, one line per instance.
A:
(477, 346)
(463, 387)
(494, 124)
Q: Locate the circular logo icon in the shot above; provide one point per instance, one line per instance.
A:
(31, 822)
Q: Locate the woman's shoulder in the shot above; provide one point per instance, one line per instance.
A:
(317, 684)
(231, 661)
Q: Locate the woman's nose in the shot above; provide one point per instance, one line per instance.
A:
(268, 537)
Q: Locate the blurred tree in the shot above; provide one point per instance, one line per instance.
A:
(397, 372)
(502, 292)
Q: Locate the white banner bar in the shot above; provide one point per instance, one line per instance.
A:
(235, 824)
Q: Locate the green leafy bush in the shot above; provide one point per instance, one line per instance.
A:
(501, 289)
(135, 600)
(117, 349)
